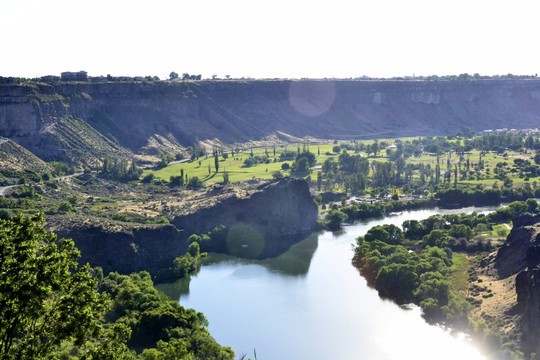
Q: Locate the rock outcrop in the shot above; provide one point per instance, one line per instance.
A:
(277, 213)
(163, 114)
(511, 257)
(528, 297)
(521, 255)
(121, 247)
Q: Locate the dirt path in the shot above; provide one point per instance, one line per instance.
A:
(4, 189)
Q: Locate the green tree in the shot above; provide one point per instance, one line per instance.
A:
(216, 162)
(64, 207)
(532, 205)
(375, 147)
(176, 180)
(537, 158)
(194, 183)
(334, 218)
(301, 165)
(460, 231)
(45, 297)
(173, 75)
(194, 249)
(226, 178)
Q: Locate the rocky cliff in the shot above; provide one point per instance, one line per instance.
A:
(521, 255)
(121, 247)
(274, 215)
(511, 257)
(155, 116)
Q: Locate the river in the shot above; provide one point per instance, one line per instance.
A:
(311, 303)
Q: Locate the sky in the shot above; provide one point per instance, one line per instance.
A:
(269, 39)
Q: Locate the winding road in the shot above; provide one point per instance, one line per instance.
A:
(4, 189)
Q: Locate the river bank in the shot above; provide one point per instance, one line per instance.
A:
(311, 303)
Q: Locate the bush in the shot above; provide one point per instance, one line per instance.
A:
(176, 180)
(194, 183)
(334, 218)
(64, 207)
(277, 174)
(121, 217)
(148, 178)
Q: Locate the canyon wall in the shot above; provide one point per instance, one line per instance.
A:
(278, 211)
(136, 115)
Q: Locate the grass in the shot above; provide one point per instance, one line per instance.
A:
(459, 277)
(485, 177)
(234, 165)
(501, 230)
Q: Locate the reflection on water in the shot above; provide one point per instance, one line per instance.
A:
(311, 303)
(294, 262)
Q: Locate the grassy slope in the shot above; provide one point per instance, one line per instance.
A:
(14, 157)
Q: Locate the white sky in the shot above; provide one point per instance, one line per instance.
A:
(276, 38)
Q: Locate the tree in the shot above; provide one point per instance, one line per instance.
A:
(176, 180)
(301, 164)
(45, 298)
(375, 147)
(334, 218)
(173, 75)
(216, 162)
(225, 177)
(194, 182)
(537, 158)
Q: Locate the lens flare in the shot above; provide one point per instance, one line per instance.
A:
(245, 240)
(312, 98)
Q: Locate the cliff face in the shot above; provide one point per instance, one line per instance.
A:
(136, 115)
(511, 257)
(275, 213)
(521, 254)
(122, 247)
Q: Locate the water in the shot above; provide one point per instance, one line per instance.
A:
(311, 303)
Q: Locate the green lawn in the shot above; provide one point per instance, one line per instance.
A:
(459, 278)
(234, 165)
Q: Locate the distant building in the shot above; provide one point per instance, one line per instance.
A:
(74, 76)
(50, 78)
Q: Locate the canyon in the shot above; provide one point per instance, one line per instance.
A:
(82, 122)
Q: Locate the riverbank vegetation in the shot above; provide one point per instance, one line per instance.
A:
(433, 263)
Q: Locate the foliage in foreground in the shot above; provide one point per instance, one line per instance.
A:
(45, 298)
(52, 308)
